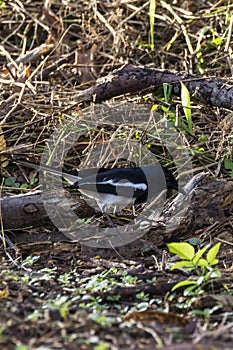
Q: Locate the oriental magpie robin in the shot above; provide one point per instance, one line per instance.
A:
(117, 186)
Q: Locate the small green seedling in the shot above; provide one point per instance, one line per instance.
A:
(186, 103)
(191, 261)
(12, 182)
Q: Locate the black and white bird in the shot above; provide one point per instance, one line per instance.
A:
(117, 186)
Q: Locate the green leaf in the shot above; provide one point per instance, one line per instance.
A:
(21, 347)
(228, 163)
(183, 250)
(195, 241)
(154, 107)
(24, 186)
(152, 10)
(11, 182)
(200, 280)
(217, 41)
(167, 90)
(202, 262)
(214, 262)
(190, 290)
(182, 263)
(215, 273)
(102, 346)
(212, 253)
(199, 254)
(183, 284)
(202, 138)
(186, 104)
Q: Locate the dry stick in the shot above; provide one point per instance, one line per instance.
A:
(31, 55)
(15, 106)
(54, 66)
(181, 23)
(131, 79)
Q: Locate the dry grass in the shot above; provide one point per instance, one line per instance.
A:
(189, 37)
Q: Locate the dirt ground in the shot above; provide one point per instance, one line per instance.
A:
(56, 293)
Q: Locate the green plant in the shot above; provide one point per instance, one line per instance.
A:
(142, 296)
(30, 260)
(152, 10)
(191, 261)
(102, 319)
(186, 103)
(61, 303)
(12, 182)
(228, 164)
(167, 91)
(102, 346)
(170, 112)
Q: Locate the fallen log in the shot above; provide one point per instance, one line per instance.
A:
(131, 79)
(26, 211)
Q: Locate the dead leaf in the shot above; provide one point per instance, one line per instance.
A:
(162, 317)
(4, 294)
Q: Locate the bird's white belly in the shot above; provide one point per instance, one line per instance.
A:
(106, 200)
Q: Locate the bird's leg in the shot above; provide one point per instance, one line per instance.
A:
(110, 220)
(104, 209)
(115, 228)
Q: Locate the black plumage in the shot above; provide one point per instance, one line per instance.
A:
(117, 186)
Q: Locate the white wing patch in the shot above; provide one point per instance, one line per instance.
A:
(138, 186)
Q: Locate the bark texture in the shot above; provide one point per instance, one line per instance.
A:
(131, 79)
